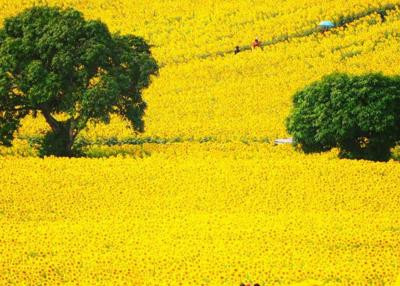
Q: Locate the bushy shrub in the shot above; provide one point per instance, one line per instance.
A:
(358, 114)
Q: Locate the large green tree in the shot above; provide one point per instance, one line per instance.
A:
(360, 115)
(55, 63)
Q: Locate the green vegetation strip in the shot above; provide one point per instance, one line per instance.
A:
(113, 141)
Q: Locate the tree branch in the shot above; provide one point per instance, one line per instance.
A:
(78, 124)
(54, 124)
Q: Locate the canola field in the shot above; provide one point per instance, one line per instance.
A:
(218, 204)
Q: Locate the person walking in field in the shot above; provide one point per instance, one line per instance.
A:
(237, 50)
(256, 44)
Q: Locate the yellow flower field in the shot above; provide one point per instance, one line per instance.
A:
(215, 203)
(249, 95)
(216, 214)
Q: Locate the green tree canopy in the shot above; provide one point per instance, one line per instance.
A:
(53, 61)
(358, 114)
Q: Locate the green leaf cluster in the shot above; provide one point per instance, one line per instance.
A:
(53, 61)
(360, 115)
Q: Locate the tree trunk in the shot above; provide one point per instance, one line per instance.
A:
(66, 138)
(60, 140)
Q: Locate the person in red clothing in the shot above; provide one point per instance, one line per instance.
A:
(256, 44)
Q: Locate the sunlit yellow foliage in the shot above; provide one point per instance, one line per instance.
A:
(182, 29)
(248, 95)
(200, 214)
(223, 212)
